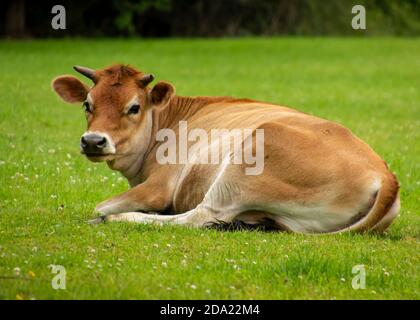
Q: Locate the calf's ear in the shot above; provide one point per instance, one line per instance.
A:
(70, 89)
(161, 94)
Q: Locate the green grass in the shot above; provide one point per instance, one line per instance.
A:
(48, 190)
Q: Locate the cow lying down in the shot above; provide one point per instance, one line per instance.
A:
(271, 166)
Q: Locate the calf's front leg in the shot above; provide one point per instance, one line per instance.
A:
(201, 216)
(146, 197)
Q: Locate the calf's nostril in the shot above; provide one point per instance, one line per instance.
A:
(83, 143)
(101, 143)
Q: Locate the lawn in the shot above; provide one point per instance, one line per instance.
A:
(48, 190)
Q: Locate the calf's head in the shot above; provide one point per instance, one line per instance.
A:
(118, 109)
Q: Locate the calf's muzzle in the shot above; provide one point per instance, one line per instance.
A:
(93, 144)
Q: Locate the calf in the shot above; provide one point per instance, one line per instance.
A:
(314, 176)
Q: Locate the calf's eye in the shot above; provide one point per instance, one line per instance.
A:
(135, 108)
(86, 105)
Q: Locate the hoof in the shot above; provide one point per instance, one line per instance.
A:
(98, 220)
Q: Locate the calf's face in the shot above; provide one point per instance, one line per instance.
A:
(117, 108)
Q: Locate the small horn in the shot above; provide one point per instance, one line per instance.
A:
(145, 80)
(90, 73)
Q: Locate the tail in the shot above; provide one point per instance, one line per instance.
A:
(384, 210)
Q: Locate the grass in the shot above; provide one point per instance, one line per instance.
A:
(48, 190)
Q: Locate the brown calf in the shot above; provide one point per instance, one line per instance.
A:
(317, 177)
